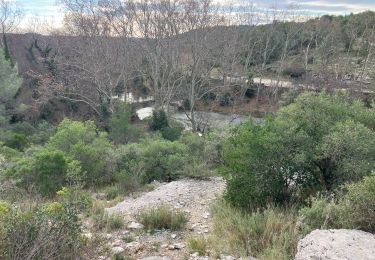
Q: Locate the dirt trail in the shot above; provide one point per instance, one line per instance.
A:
(191, 196)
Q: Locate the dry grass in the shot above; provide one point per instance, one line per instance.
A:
(271, 234)
(197, 244)
(162, 217)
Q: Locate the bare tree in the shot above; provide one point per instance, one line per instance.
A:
(10, 16)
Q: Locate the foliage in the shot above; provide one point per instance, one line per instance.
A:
(104, 221)
(353, 210)
(171, 133)
(112, 192)
(121, 129)
(16, 141)
(45, 169)
(115, 221)
(50, 169)
(226, 99)
(158, 120)
(250, 92)
(42, 133)
(160, 160)
(270, 234)
(320, 215)
(315, 144)
(51, 230)
(10, 83)
(84, 143)
(127, 182)
(162, 217)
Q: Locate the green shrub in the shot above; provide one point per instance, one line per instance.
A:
(42, 133)
(171, 133)
(104, 221)
(48, 231)
(226, 99)
(17, 141)
(198, 169)
(162, 217)
(120, 127)
(112, 192)
(250, 92)
(355, 209)
(315, 144)
(84, 143)
(197, 244)
(51, 168)
(209, 96)
(158, 120)
(270, 234)
(115, 221)
(321, 215)
(128, 182)
(151, 160)
(44, 169)
(79, 199)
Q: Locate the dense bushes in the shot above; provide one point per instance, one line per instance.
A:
(355, 209)
(121, 129)
(226, 99)
(315, 144)
(160, 160)
(159, 122)
(45, 170)
(78, 153)
(86, 144)
(46, 231)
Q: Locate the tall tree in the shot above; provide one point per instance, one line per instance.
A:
(10, 83)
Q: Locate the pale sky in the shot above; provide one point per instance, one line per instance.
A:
(51, 11)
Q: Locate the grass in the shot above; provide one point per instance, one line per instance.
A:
(102, 220)
(112, 192)
(197, 244)
(271, 234)
(115, 221)
(162, 217)
(128, 238)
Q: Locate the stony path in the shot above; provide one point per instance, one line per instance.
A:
(191, 196)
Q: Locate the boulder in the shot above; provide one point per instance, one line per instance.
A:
(117, 250)
(336, 244)
(134, 225)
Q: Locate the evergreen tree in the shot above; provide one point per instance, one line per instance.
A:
(10, 83)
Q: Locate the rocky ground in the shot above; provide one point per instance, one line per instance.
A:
(337, 244)
(191, 196)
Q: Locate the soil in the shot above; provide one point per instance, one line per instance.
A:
(189, 195)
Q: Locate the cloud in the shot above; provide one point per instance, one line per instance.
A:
(50, 11)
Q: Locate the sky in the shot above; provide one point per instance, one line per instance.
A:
(51, 11)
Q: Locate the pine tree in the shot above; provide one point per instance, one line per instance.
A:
(10, 83)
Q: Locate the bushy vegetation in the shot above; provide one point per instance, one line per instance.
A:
(162, 217)
(121, 129)
(315, 144)
(42, 231)
(169, 130)
(268, 234)
(352, 210)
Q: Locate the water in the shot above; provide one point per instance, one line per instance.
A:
(204, 119)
